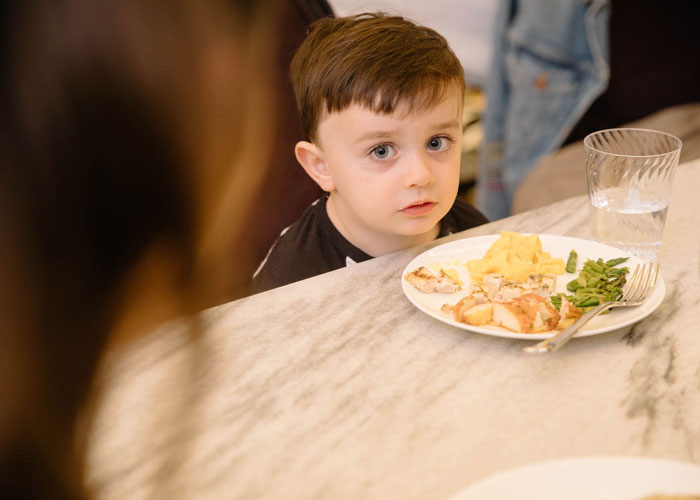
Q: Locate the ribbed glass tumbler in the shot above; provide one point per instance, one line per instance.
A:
(630, 174)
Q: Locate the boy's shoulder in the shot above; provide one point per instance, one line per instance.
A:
(310, 246)
(461, 216)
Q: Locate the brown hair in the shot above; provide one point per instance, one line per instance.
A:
(374, 60)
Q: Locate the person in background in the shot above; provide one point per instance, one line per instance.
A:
(380, 100)
(561, 70)
(549, 62)
(127, 132)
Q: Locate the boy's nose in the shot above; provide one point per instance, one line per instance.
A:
(418, 172)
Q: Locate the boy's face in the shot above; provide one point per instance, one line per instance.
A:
(392, 176)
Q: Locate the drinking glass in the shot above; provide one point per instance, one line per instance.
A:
(630, 175)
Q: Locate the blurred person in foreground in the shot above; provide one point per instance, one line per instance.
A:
(125, 127)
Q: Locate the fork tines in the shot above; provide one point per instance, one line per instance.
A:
(641, 282)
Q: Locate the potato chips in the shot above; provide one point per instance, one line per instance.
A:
(515, 256)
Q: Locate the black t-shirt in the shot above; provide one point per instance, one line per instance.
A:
(313, 245)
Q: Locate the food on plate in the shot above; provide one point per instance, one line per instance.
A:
(568, 313)
(519, 306)
(599, 281)
(436, 267)
(473, 310)
(427, 282)
(571, 262)
(480, 314)
(496, 287)
(514, 286)
(515, 256)
(529, 313)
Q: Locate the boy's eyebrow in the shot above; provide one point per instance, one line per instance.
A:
(374, 135)
(386, 134)
(450, 124)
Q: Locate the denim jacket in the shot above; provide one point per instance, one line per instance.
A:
(550, 62)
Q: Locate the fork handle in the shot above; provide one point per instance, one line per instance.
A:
(561, 338)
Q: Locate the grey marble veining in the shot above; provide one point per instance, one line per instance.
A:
(337, 387)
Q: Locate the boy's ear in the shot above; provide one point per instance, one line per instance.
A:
(312, 159)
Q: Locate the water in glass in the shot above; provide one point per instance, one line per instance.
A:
(622, 218)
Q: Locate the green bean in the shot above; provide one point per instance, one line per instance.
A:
(597, 282)
(593, 266)
(615, 262)
(588, 302)
(571, 262)
(594, 281)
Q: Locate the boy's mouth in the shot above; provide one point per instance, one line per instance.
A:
(419, 208)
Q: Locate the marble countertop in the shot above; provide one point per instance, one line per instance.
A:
(338, 387)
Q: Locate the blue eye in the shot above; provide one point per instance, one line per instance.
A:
(382, 151)
(438, 143)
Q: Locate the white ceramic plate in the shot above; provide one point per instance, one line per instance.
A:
(591, 478)
(456, 253)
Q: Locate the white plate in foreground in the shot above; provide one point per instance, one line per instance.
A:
(456, 253)
(590, 478)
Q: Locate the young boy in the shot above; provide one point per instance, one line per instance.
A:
(380, 99)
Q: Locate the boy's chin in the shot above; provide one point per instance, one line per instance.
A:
(419, 229)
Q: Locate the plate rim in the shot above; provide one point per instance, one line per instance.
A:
(602, 462)
(658, 294)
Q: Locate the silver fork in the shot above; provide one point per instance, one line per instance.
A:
(635, 292)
